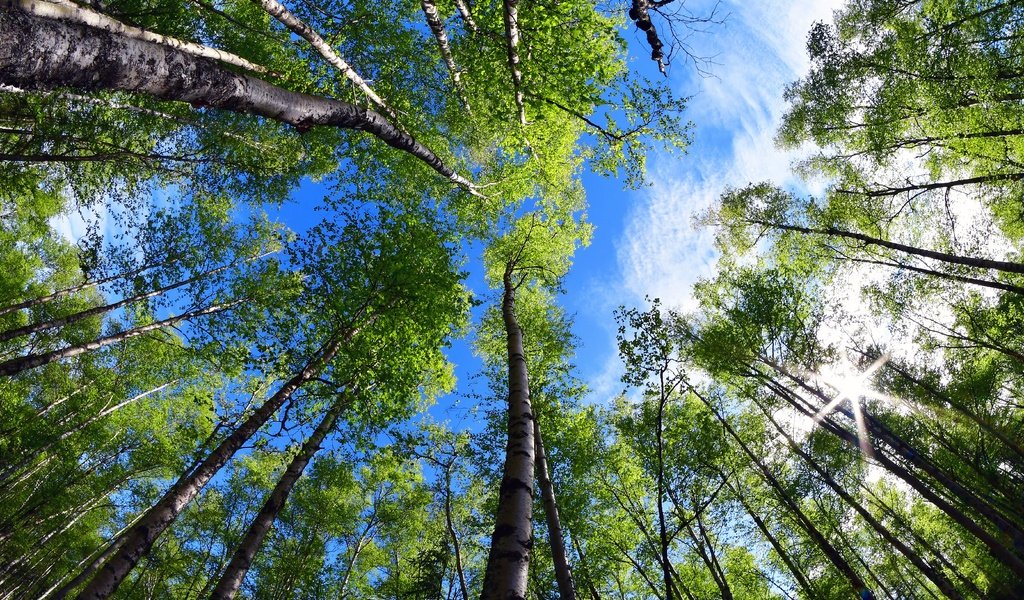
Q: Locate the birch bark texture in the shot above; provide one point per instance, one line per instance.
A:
(37, 53)
(508, 562)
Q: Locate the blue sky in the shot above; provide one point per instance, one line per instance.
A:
(645, 242)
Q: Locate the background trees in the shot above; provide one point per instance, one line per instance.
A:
(199, 401)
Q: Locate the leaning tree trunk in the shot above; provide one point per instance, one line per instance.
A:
(509, 559)
(141, 537)
(563, 574)
(98, 310)
(77, 288)
(970, 261)
(783, 554)
(37, 53)
(830, 551)
(997, 548)
(934, 575)
(232, 578)
(31, 361)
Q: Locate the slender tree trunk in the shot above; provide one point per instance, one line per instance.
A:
(970, 261)
(97, 310)
(466, 15)
(510, 15)
(31, 361)
(32, 302)
(141, 537)
(997, 548)
(710, 558)
(301, 29)
(437, 28)
(663, 543)
(563, 574)
(795, 570)
(31, 455)
(232, 578)
(450, 524)
(959, 407)
(833, 555)
(39, 54)
(913, 456)
(938, 185)
(588, 577)
(933, 575)
(995, 285)
(508, 561)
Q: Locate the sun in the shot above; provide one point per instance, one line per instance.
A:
(853, 386)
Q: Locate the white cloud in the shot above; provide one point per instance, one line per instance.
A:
(760, 49)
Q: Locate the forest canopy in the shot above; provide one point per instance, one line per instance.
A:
(200, 398)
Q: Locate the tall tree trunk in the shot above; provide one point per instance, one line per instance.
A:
(437, 28)
(794, 569)
(141, 537)
(913, 456)
(232, 578)
(563, 574)
(935, 576)
(508, 561)
(66, 10)
(39, 54)
(31, 361)
(77, 288)
(999, 550)
(663, 542)
(969, 261)
(97, 310)
(833, 555)
(510, 15)
(30, 456)
(450, 525)
(959, 407)
(301, 29)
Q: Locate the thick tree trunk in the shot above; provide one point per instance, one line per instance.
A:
(232, 578)
(31, 361)
(640, 13)
(141, 537)
(508, 561)
(66, 10)
(563, 574)
(98, 310)
(40, 54)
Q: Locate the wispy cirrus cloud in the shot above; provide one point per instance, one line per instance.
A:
(760, 49)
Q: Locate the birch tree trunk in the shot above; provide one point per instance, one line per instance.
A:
(39, 54)
(98, 310)
(31, 361)
(510, 15)
(141, 537)
(508, 561)
(232, 578)
(563, 574)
